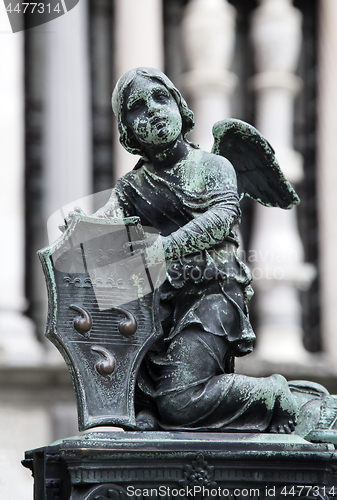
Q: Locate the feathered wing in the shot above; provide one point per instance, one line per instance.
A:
(258, 172)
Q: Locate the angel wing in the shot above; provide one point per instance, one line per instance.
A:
(258, 172)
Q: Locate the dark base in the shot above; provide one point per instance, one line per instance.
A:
(114, 464)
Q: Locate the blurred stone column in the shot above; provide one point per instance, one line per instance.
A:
(277, 252)
(67, 141)
(327, 172)
(18, 344)
(138, 41)
(209, 37)
(67, 126)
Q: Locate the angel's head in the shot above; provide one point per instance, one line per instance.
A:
(139, 95)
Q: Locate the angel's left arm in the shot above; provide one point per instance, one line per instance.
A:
(211, 227)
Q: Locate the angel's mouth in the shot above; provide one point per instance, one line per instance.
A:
(158, 121)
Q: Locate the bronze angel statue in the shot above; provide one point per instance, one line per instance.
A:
(192, 198)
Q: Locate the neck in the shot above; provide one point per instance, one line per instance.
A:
(167, 156)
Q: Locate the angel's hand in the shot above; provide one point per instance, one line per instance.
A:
(139, 246)
(151, 247)
(69, 218)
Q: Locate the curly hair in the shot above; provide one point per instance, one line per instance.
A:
(127, 138)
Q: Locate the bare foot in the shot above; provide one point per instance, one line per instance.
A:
(285, 409)
(146, 421)
(286, 428)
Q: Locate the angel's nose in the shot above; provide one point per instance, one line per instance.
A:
(152, 106)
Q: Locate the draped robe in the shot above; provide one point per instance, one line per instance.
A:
(189, 373)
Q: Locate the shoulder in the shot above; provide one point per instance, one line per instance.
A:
(217, 170)
(132, 178)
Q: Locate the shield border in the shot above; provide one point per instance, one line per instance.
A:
(85, 420)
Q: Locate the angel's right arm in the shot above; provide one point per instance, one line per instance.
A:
(214, 224)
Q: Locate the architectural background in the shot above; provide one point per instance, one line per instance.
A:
(272, 63)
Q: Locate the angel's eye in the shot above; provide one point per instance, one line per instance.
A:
(161, 96)
(136, 105)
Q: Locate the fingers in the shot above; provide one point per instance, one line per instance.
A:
(140, 244)
(134, 244)
(63, 227)
(67, 220)
(132, 248)
(78, 210)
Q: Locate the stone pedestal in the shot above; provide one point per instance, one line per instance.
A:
(119, 465)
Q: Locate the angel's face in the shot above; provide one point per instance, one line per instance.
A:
(152, 113)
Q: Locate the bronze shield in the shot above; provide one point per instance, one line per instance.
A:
(103, 313)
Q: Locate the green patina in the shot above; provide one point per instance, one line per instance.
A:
(191, 198)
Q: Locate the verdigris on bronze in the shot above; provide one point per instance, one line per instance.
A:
(192, 199)
(120, 465)
(102, 303)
